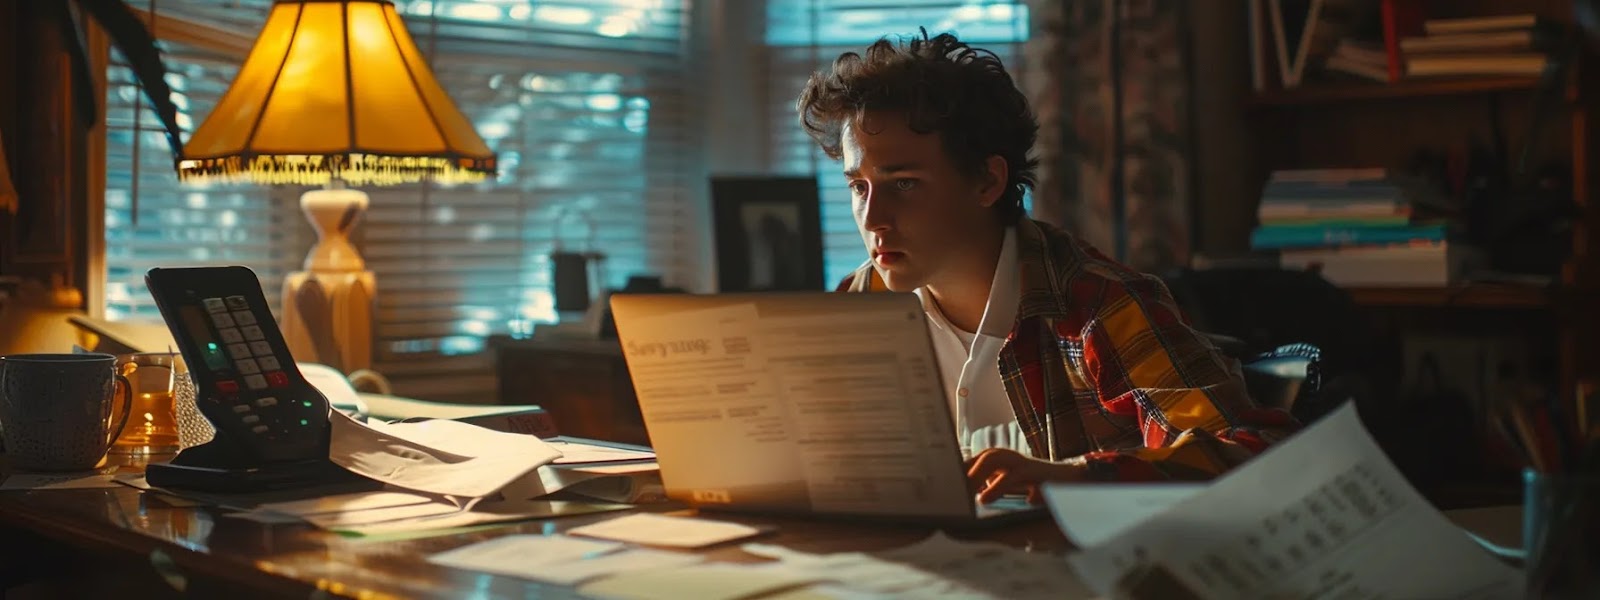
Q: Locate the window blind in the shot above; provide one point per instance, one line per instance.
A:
(804, 36)
(584, 103)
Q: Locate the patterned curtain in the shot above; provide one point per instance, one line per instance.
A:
(1124, 184)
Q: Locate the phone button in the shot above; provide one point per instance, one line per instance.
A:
(267, 401)
(278, 379)
(251, 332)
(248, 366)
(230, 335)
(228, 386)
(248, 419)
(261, 348)
(238, 351)
(241, 408)
(222, 319)
(237, 303)
(214, 305)
(268, 363)
(255, 382)
(259, 429)
(244, 317)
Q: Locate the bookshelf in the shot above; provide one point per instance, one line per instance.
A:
(1333, 123)
(1320, 94)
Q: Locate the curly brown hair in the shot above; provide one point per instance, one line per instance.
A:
(942, 85)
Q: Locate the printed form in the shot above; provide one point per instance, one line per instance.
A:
(1322, 515)
(847, 405)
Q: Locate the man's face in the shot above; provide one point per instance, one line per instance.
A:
(917, 212)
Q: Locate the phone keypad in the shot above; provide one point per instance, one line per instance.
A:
(253, 367)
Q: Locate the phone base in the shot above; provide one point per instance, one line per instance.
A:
(219, 466)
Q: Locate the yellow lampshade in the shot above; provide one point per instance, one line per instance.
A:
(335, 88)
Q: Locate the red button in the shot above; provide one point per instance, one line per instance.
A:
(278, 379)
(228, 386)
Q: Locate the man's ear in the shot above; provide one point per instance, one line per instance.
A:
(992, 183)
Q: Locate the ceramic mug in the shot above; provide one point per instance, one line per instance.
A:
(56, 409)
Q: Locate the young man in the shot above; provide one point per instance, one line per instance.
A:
(1062, 364)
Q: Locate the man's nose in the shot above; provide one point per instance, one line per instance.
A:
(875, 213)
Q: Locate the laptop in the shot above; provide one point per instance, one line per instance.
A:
(800, 403)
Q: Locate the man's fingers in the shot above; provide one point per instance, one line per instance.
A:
(997, 485)
(987, 463)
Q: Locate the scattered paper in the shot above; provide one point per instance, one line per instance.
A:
(938, 567)
(65, 481)
(557, 559)
(699, 582)
(661, 530)
(1092, 513)
(612, 483)
(1322, 515)
(481, 514)
(578, 453)
(439, 457)
(344, 503)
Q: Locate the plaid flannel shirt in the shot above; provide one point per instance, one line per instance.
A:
(1102, 368)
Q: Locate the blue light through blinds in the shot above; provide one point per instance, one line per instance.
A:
(583, 101)
(806, 35)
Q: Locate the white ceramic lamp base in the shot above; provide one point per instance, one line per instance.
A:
(327, 308)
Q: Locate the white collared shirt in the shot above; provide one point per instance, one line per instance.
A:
(969, 362)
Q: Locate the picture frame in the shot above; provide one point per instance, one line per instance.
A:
(768, 232)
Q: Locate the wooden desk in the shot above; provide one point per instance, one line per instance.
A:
(219, 554)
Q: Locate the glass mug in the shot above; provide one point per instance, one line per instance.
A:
(153, 423)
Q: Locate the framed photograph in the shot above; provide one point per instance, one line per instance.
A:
(768, 234)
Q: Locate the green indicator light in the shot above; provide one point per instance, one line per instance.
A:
(304, 422)
(307, 403)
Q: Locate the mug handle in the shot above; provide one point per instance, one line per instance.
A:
(127, 409)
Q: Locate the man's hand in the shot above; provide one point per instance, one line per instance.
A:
(998, 472)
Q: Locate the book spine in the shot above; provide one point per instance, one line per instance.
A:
(1304, 237)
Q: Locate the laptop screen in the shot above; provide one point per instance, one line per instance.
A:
(811, 402)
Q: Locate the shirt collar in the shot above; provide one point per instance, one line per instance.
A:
(1004, 291)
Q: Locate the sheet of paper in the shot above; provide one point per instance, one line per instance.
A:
(698, 582)
(516, 555)
(1092, 513)
(550, 479)
(481, 514)
(767, 408)
(662, 530)
(51, 481)
(345, 503)
(1322, 515)
(575, 453)
(439, 457)
(558, 559)
(937, 567)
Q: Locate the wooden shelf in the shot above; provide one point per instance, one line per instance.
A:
(1334, 93)
(1471, 295)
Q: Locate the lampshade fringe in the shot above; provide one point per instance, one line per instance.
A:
(355, 169)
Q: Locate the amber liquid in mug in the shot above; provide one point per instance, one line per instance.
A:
(147, 430)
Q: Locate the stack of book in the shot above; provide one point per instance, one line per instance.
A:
(1354, 226)
(1511, 45)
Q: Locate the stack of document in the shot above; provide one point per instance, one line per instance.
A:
(1322, 515)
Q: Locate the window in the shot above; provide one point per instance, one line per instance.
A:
(806, 35)
(584, 104)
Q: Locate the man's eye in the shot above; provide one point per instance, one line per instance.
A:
(905, 185)
(858, 188)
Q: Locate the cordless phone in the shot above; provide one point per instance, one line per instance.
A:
(271, 424)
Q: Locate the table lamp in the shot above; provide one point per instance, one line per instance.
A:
(334, 92)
